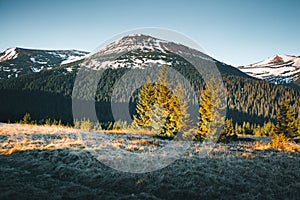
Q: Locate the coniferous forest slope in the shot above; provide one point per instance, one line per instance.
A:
(47, 94)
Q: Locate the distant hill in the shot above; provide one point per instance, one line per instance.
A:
(18, 61)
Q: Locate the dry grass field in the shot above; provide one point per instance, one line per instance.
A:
(43, 162)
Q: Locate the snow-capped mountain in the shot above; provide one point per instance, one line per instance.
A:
(143, 51)
(55, 87)
(279, 69)
(17, 61)
(133, 51)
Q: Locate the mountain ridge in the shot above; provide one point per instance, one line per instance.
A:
(249, 99)
(278, 69)
(17, 61)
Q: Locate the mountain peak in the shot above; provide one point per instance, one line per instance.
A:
(144, 50)
(277, 57)
(141, 36)
(145, 43)
(280, 68)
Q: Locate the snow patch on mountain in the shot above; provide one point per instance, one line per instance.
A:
(69, 69)
(35, 61)
(17, 61)
(139, 51)
(8, 54)
(274, 61)
(132, 42)
(72, 59)
(278, 69)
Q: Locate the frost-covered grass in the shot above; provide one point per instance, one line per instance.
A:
(237, 170)
(21, 137)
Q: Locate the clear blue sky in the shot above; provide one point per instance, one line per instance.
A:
(234, 31)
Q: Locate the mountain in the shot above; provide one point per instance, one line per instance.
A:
(17, 61)
(148, 50)
(145, 51)
(48, 93)
(279, 69)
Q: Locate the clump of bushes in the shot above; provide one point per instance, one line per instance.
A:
(87, 124)
(53, 122)
(84, 124)
(26, 119)
(279, 141)
(119, 125)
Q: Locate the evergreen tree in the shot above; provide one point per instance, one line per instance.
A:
(158, 121)
(173, 119)
(162, 114)
(183, 121)
(205, 111)
(239, 129)
(247, 128)
(211, 106)
(297, 124)
(228, 132)
(26, 119)
(285, 122)
(144, 104)
(268, 129)
(160, 109)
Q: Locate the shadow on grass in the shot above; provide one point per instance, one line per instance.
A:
(75, 174)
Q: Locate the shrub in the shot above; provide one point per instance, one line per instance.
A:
(109, 126)
(48, 122)
(278, 140)
(77, 124)
(55, 122)
(120, 125)
(26, 119)
(97, 126)
(86, 124)
(228, 132)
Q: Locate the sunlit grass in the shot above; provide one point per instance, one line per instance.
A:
(281, 146)
(22, 137)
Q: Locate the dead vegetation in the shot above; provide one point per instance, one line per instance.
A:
(279, 146)
(50, 163)
(22, 137)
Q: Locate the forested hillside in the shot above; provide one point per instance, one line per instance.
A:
(47, 94)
